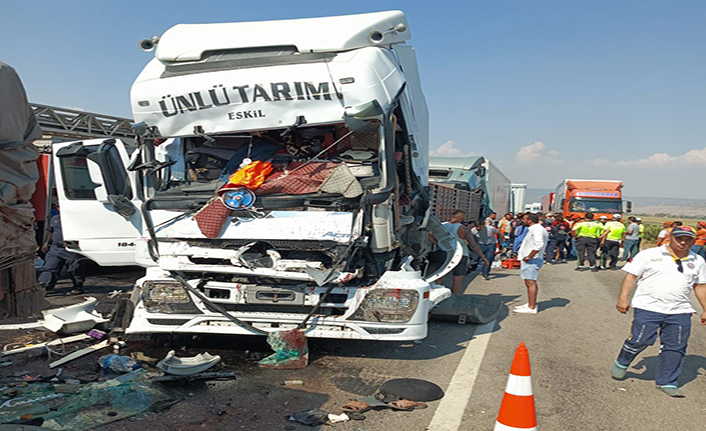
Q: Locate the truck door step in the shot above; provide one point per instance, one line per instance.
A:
(467, 309)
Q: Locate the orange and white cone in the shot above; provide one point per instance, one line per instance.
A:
(517, 409)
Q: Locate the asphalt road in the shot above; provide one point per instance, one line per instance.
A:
(572, 343)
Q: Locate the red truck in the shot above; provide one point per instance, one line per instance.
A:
(574, 198)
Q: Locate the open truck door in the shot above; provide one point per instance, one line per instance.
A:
(98, 199)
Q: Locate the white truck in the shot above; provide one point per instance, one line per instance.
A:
(335, 241)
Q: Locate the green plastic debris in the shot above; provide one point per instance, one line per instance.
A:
(94, 403)
(291, 350)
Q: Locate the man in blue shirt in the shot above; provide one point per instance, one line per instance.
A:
(56, 257)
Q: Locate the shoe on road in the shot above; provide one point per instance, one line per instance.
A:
(525, 309)
(594, 269)
(672, 391)
(618, 372)
(578, 268)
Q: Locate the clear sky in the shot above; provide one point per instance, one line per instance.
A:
(546, 89)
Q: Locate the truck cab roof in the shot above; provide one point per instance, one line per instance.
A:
(189, 42)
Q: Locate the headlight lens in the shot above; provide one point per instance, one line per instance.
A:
(167, 297)
(388, 305)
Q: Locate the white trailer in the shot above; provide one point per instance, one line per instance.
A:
(336, 239)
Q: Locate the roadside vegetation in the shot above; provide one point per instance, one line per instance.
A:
(653, 225)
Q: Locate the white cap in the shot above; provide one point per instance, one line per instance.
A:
(638, 219)
(617, 216)
(602, 217)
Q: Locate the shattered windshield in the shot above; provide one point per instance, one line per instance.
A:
(302, 161)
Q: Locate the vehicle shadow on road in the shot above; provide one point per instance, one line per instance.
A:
(445, 337)
(694, 365)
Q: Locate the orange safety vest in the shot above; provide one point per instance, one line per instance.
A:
(700, 237)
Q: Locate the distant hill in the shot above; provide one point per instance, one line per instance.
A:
(645, 205)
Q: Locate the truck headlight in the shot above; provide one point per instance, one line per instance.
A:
(388, 305)
(167, 297)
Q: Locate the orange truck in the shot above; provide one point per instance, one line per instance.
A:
(574, 198)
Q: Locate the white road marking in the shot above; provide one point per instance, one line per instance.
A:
(450, 411)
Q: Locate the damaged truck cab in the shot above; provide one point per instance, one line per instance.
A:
(279, 180)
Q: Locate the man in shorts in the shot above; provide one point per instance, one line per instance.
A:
(532, 256)
(466, 239)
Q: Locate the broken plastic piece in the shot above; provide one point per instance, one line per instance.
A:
(97, 334)
(57, 342)
(291, 350)
(73, 318)
(338, 418)
(187, 366)
(79, 353)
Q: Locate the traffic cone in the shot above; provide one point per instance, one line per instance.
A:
(517, 409)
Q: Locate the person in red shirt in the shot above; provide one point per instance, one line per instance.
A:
(558, 246)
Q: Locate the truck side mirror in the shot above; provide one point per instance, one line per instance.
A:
(115, 180)
(628, 206)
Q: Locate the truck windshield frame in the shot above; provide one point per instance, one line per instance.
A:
(173, 192)
(606, 205)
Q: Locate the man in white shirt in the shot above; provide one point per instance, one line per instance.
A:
(532, 256)
(665, 277)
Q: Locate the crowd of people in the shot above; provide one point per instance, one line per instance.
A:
(663, 278)
(596, 241)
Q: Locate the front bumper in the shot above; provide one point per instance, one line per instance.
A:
(208, 322)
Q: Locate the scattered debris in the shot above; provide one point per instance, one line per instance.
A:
(57, 342)
(114, 293)
(93, 403)
(311, 417)
(406, 405)
(356, 407)
(622, 389)
(409, 389)
(118, 363)
(255, 356)
(141, 357)
(79, 353)
(293, 383)
(187, 366)
(338, 418)
(201, 376)
(19, 326)
(73, 318)
(291, 350)
(356, 416)
(97, 334)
